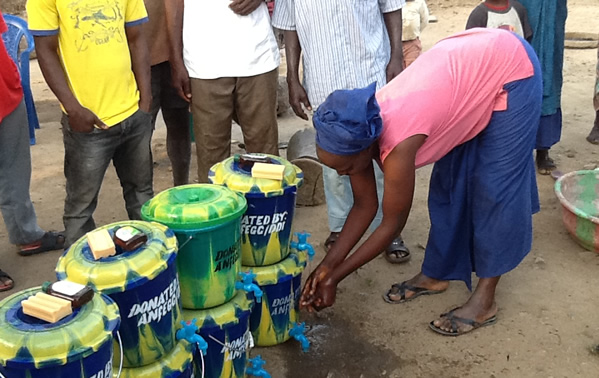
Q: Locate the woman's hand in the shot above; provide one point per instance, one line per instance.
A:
(308, 293)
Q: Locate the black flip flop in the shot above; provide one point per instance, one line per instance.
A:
(403, 287)
(49, 242)
(4, 275)
(454, 326)
(396, 247)
(333, 236)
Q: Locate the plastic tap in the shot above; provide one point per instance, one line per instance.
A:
(257, 369)
(247, 284)
(298, 332)
(189, 333)
(303, 245)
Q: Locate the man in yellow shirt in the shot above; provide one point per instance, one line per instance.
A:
(95, 59)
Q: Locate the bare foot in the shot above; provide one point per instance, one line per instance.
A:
(419, 281)
(594, 134)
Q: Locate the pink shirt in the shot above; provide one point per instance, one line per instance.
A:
(451, 91)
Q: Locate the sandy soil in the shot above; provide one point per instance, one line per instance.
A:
(547, 312)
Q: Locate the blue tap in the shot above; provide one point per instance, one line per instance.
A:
(189, 333)
(298, 332)
(248, 285)
(303, 245)
(257, 369)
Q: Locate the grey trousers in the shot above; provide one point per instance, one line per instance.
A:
(15, 177)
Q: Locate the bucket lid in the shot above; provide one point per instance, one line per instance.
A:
(226, 314)
(194, 206)
(292, 266)
(230, 174)
(124, 271)
(177, 361)
(26, 342)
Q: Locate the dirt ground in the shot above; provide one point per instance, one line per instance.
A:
(547, 313)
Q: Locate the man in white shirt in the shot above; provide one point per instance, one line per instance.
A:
(224, 59)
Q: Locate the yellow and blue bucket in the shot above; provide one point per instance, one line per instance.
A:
(226, 330)
(78, 346)
(266, 226)
(206, 220)
(273, 319)
(142, 282)
(177, 364)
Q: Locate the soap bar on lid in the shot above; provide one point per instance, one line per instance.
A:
(46, 307)
(101, 244)
(268, 171)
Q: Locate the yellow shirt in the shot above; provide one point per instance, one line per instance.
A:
(93, 49)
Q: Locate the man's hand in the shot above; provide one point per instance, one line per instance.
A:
(297, 98)
(145, 104)
(82, 120)
(310, 293)
(244, 7)
(394, 68)
(180, 78)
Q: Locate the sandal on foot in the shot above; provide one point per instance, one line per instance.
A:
(397, 252)
(4, 276)
(454, 324)
(546, 166)
(401, 290)
(333, 236)
(49, 242)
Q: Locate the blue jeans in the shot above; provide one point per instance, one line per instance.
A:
(15, 176)
(340, 198)
(128, 145)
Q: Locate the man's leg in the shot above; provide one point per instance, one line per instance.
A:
(256, 109)
(15, 176)
(593, 136)
(86, 157)
(133, 162)
(212, 106)
(175, 112)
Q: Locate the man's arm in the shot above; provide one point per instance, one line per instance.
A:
(297, 93)
(174, 20)
(80, 119)
(393, 22)
(140, 63)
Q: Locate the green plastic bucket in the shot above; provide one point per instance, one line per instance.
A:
(142, 282)
(78, 346)
(266, 227)
(207, 222)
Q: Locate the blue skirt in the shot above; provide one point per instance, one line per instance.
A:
(483, 193)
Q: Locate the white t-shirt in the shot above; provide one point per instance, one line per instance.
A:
(219, 43)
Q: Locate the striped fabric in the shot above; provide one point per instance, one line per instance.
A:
(344, 42)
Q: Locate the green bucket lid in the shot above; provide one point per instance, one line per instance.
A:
(292, 266)
(232, 175)
(192, 207)
(121, 272)
(177, 361)
(223, 315)
(26, 342)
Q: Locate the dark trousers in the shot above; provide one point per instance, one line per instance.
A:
(127, 145)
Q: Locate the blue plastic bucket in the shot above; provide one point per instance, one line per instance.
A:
(78, 346)
(177, 364)
(266, 226)
(226, 330)
(272, 319)
(144, 285)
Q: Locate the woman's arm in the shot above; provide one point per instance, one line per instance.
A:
(400, 173)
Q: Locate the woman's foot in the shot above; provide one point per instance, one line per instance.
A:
(594, 134)
(420, 283)
(479, 311)
(6, 283)
(545, 165)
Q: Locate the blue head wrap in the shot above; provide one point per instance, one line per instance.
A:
(348, 122)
